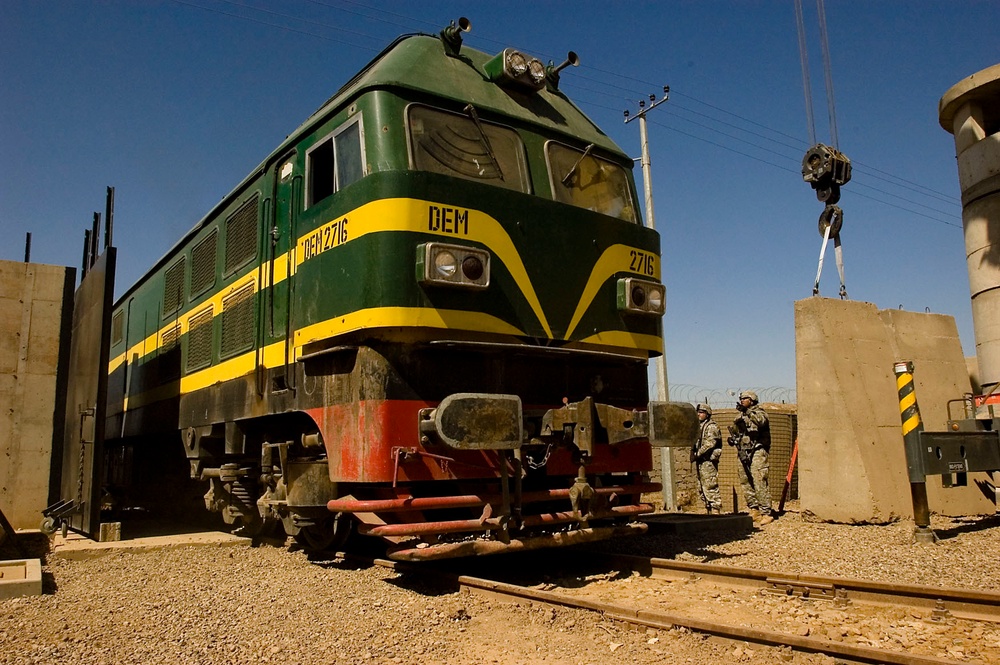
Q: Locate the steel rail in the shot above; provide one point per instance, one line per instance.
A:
(662, 620)
(970, 604)
(665, 620)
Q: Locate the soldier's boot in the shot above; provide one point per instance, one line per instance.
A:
(766, 518)
(754, 514)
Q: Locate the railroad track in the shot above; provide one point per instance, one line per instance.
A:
(941, 605)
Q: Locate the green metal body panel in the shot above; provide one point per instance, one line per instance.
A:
(555, 247)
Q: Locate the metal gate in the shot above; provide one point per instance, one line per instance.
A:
(86, 400)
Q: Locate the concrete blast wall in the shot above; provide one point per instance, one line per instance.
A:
(852, 466)
(36, 307)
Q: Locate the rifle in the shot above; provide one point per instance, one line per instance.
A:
(739, 438)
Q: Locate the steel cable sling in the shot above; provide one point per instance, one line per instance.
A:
(825, 168)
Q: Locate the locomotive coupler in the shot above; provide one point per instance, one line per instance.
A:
(580, 495)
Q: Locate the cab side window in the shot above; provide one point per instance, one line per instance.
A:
(335, 162)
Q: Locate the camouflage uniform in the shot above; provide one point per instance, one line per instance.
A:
(705, 454)
(755, 444)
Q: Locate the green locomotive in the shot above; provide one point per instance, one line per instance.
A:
(426, 316)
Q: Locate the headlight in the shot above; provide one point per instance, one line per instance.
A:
(439, 264)
(640, 296)
(536, 70)
(513, 68)
(517, 64)
(445, 264)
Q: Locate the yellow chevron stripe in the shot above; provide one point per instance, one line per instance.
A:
(907, 401)
(423, 217)
(615, 259)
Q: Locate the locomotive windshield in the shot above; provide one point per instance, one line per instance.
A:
(581, 179)
(466, 147)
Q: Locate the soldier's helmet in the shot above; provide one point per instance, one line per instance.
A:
(750, 395)
(704, 408)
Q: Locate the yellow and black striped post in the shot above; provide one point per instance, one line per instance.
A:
(909, 414)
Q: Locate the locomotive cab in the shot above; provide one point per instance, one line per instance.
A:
(427, 317)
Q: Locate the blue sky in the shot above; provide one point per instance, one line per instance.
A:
(174, 102)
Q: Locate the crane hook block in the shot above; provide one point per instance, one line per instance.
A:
(826, 169)
(833, 217)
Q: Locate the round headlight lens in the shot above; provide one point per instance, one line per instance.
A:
(516, 63)
(472, 267)
(445, 264)
(656, 300)
(536, 70)
(638, 296)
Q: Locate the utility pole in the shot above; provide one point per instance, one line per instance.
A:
(662, 390)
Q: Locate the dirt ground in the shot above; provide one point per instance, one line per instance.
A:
(232, 603)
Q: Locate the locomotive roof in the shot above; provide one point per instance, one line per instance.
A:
(418, 62)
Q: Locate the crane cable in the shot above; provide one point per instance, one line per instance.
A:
(824, 167)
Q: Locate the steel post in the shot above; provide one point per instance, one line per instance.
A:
(909, 414)
(662, 390)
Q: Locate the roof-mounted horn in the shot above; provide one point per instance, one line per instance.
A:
(552, 73)
(452, 36)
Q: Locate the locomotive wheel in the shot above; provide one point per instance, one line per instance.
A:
(326, 534)
(260, 528)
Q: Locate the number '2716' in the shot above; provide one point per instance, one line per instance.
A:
(641, 262)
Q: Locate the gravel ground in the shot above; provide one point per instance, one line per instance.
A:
(242, 604)
(966, 554)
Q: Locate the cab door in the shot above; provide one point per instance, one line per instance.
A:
(277, 316)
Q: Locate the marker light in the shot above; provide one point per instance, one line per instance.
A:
(640, 296)
(439, 264)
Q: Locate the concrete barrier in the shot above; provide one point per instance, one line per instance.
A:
(20, 577)
(36, 308)
(852, 466)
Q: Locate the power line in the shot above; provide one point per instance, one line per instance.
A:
(278, 25)
(909, 185)
(867, 171)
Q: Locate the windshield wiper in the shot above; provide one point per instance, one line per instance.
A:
(586, 151)
(471, 110)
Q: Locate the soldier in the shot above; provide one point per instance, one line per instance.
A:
(751, 434)
(705, 454)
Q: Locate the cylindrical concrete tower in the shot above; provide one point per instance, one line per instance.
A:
(971, 111)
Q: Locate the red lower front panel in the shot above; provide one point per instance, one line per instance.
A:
(364, 440)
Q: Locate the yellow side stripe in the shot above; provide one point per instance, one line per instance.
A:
(403, 317)
(626, 339)
(907, 401)
(415, 216)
